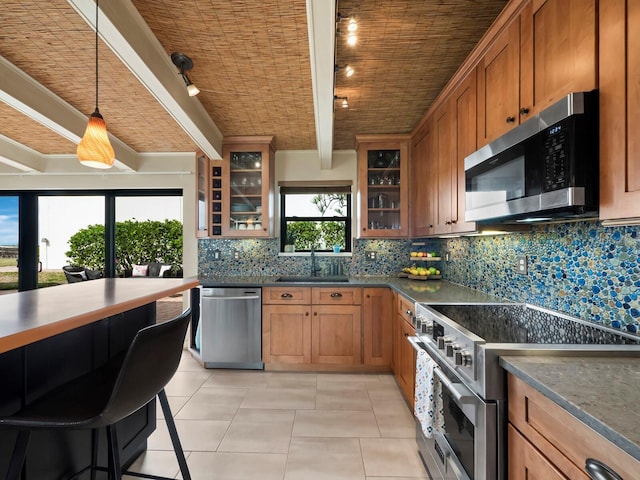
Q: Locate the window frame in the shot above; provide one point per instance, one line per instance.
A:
(315, 190)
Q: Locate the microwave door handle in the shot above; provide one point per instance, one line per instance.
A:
(459, 392)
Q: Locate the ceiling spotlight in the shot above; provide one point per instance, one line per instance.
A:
(184, 63)
(353, 26)
(348, 70)
(352, 39)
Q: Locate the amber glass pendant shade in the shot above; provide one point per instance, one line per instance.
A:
(95, 150)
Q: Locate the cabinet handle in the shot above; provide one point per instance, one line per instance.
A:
(447, 223)
(315, 314)
(600, 471)
(524, 111)
(286, 295)
(364, 229)
(306, 314)
(406, 334)
(410, 313)
(511, 119)
(453, 222)
(336, 295)
(430, 226)
(368, 296)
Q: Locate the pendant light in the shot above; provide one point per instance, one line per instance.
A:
(95, 150)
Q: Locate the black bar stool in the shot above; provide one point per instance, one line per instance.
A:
(107, 395)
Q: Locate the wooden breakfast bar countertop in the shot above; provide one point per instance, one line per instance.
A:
(27, 317)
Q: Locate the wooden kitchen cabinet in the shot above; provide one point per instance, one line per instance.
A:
(286, 334)
(312, 327)
(405, 355)
(526, 462)
(547, 442)
(619, 109)
(558, 52)
(377, 319)
(499, 85)
(382, 185)
(546, 52)
(248, 196)
(336, 334)
(422, 181)
(203, 179)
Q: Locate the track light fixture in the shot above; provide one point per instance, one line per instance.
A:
(352, 27)
(345, 101)
(184, 63)
(348, 70)
(95, 150)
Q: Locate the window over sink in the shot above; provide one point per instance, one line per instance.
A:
(315, 216)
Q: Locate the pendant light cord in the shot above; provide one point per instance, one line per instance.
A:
(97, 1)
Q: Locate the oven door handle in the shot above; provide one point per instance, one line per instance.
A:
(459, 392)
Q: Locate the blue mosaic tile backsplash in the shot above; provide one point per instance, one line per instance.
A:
(583, 269)
(260, 257)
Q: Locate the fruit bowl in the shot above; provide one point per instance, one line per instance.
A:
(425, 277)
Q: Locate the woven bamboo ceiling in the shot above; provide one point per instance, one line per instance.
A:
(252, 63)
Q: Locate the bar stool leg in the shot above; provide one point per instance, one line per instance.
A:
(95, 445)
(19, 455)
(115, 471)
(173, 433)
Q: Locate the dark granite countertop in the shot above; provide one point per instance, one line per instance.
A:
(423, 291)
(602, 392)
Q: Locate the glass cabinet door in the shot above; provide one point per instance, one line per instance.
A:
(247, 186)
(383, 186)
(383, 190)
(245, 197)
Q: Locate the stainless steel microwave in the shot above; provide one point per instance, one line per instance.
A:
(544, 169)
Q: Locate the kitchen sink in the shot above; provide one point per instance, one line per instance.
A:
(310, 279)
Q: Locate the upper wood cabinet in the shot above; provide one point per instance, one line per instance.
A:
(464, 118)
(546, 52)
(423, 178)
(619, 109)
(499, 85)
(203, 210)
(558, 51)
(382, 175)
(248, 196)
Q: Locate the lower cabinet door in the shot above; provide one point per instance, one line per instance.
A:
(407, 369)
(336, 334)
(286, 334)
(526, 462)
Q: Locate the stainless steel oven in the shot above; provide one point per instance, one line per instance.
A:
(468, 437)
(465, 342)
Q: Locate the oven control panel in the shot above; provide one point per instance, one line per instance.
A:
(453, 346)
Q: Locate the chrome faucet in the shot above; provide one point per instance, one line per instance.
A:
(314, 268)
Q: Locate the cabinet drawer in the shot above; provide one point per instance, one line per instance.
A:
(405, 308)
(336, 295)
(286, 295)
(561, 437)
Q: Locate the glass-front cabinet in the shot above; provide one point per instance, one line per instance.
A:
(247, 187)
(382, 185)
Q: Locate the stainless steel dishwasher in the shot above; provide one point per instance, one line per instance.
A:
(231, 328)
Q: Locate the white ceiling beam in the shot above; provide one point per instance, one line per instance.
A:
(18, 156)
(23, 93)
(126, 33)
(321, 22)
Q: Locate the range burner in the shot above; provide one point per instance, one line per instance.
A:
(518, 323)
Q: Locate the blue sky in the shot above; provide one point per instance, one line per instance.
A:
(8, 220)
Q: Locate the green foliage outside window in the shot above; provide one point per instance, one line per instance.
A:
(136, 243)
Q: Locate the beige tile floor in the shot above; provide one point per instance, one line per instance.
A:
(239, 424)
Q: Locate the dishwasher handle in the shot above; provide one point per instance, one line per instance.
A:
(241, 297)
